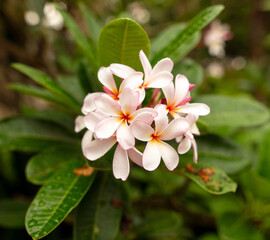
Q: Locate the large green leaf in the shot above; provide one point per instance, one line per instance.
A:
(184, 36)
(48, 83)
(43, 165)
(80, 39)
(92, 23)
(264, 163)
(12, 213)
(170, 34)
(31, 135)
(233, 112)
(120, 41)
(99, 214)
(217, 183)
(55, 200)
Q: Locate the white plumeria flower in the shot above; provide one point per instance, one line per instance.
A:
(156, 148)
(113, 117)
(158, 77)
(105, 76)
(178, 97)
(188, 141)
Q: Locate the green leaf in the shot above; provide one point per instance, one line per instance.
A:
(80, 39)
(48, 83)
(92, 23)
(159, 224)
(233, 112)
(218, 152)
(264, 162)
(38, 92)
(120, 41)
(43, 165)
(55, 200)
(169, 35)
(31, 135)
(98, 216)
(192, 70)
(218, 182)
(50, 115)
(194, 26)
(12, 213)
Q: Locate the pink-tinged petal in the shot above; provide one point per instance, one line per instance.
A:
(195, 150)
(97, 148)
(145, 63)
(191, 118)
(151, 156)
(169, 93)
(87, 138)
(135, 156)
(125, 136)
(181, 88)
(184, 146)
(142, 131)
(79, 124)
(160, 80)
(176, 128)
(133, 81)
(146, 115)
(93, 118)
(107, 127)
(165, 64)
(105, 76)
(169, 155)
(120, 164)
(141, 91)
(189, 135)
(179, 139)
(129, 101)
(88, 103)
(200, 109)
(107, 105)
(121, 70)
(161, 120)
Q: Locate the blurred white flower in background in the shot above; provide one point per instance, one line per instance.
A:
(137, 11)
(215, 70)
(215, 38)
(52, 18)
(31, 18)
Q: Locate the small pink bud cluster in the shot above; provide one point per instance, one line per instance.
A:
(116, 116)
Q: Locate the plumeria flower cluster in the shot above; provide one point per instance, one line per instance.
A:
(120, 116)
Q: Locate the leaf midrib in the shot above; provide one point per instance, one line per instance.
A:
(124, 43)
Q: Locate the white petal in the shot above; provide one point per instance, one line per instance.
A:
(135, 156)
(120, 164)
(151, 156)
(169, 155)
(145, 63)
(88, 102)
(146, 117)
(107, 127)
(176, 128)
(105, 76)
(121, 70)
(191, 118)
(125, 136)
(160, 80)
(184, 146)
(79, 124)
(87, 138)
(181, 88)
(133, 81)
(169, 93)
(97, 148)
(165, 64)
(200, 109)
(161, 120)
(144, 114)
(129, 101)
(107, 105)
(92, 119)
(195, 150)
(142, 130)
(194, 129)
(142, 94)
